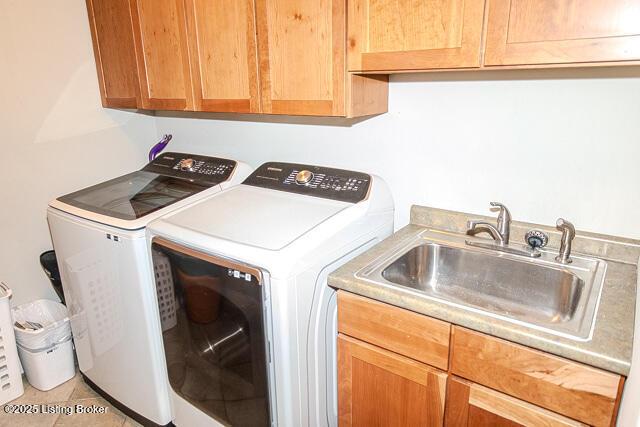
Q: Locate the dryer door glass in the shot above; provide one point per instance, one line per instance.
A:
(211, 313)
(132, 196)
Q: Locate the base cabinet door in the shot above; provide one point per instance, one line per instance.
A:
(470, 404)
(379, 388)
(529, 32)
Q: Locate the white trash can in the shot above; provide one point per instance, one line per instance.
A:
(46, 353)
(10, 376)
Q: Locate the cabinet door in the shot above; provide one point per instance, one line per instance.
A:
(163, 58)
(388, 35)
(114, 50)
(380, 388)
(301, 56)
(575, 390)
(222, 43)
(562, 31)
(470, 404)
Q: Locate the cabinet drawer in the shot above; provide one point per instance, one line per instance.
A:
(470, 404)
(569, 388)
(401, 331)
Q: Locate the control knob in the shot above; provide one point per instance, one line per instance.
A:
(303, 177)
(187, 164)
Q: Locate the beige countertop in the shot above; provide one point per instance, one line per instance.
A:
(611, 344)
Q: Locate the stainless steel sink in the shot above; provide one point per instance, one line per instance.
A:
(539, 293)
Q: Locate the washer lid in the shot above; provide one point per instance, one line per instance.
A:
(259, 217)
(132, 196)
(166, 180)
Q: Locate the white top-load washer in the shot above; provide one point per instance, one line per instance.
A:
(99, 238)
(255, 337)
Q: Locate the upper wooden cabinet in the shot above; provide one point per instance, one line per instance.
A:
(243, 56)
(302, 45)
(400, 35)
(414, 35)
(163, 55)
(300, 57)
(222, 42)
(528, 32)
(115, 54)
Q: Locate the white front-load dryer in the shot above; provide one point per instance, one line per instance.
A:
(98, 234)
(255, 337)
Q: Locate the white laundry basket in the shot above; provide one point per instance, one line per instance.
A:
(10, 377)
(164, 291)
(46, 353)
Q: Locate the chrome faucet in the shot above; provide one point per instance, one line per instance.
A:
(568, 233)
(500, 233)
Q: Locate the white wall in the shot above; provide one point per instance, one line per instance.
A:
(545, 145)
(54, 135)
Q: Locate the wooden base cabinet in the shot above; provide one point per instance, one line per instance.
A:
(387, 375)
(380, 388)
(578, 391)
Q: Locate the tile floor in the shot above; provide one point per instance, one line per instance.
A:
(63, 398)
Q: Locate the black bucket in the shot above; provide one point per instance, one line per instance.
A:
(49, 264)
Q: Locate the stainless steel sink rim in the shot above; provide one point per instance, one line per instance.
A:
(579, 328)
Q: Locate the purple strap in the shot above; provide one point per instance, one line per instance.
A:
(157, 149)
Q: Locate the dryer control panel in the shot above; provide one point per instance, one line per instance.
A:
(318, 181)
(201, 169)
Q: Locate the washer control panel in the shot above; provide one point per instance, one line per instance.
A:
(328, 183)
(195, 168)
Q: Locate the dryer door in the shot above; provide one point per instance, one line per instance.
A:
(212, 316)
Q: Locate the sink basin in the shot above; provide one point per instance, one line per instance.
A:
(539, 293)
